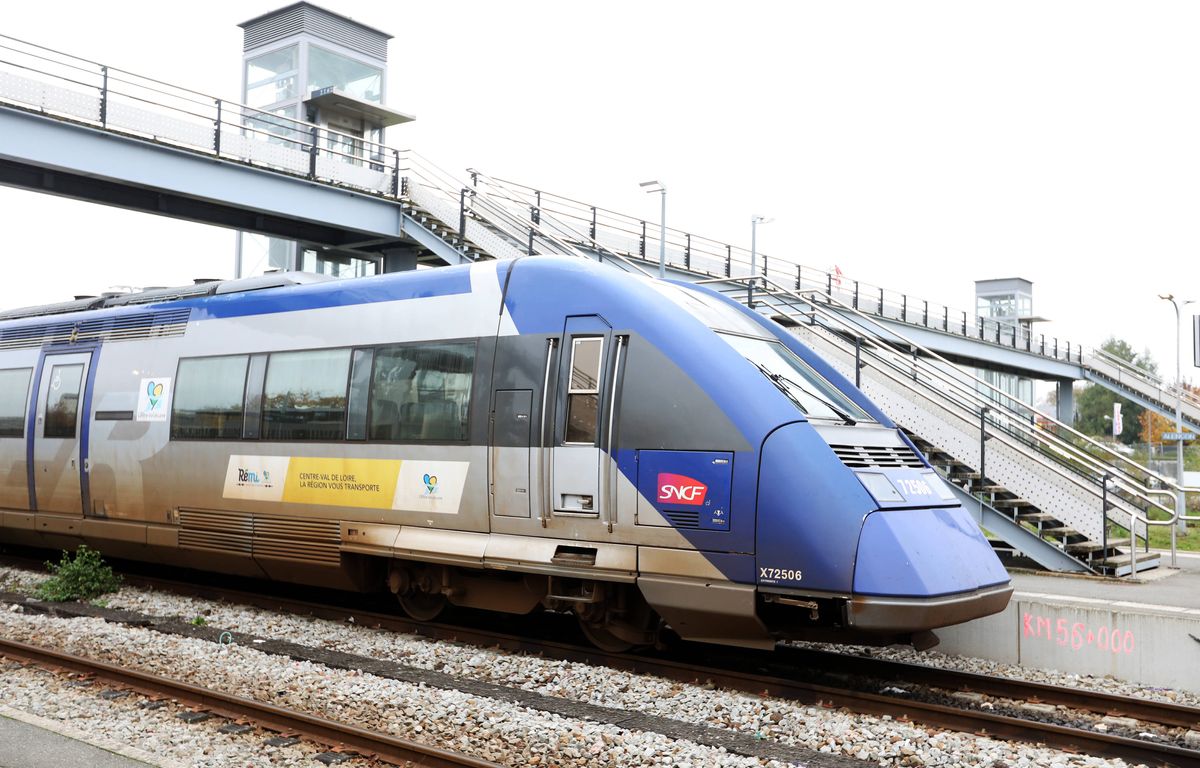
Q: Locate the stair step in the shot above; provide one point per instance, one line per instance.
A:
(1121, 564)
(964, 475)
(989, 488)
(1036, 517)
(1084, 547)
(1010, 503)
(1059, 530)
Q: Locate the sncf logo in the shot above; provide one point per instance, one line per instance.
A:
(680, 489)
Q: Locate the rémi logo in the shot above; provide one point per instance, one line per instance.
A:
(680, 489)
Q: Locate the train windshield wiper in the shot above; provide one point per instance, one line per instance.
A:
(774, 379)
(783, 383)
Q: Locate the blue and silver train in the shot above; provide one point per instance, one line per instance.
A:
(545, 432)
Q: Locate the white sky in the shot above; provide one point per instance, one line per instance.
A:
(919, 146)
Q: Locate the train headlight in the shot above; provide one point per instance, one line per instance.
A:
(879, 486)
(939, 486)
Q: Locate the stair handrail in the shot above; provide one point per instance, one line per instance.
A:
(902, 374)
(1163, 392)
(564, 230)
(904, 370)
(703, 248)
(1068, 472)
(480, 207)
(1131, 484)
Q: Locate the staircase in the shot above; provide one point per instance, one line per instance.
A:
(1048, 492)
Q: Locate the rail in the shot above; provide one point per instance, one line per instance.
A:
(787, 671)
(391, 749)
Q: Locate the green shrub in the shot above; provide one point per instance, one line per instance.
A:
(82, 577)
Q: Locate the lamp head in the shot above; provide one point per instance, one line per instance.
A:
(653, 186)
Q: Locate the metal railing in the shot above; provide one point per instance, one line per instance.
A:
(1079, 457)
(638, 239)
(68, 87)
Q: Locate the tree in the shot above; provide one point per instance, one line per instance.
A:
(1153, 425)
(1095, 402)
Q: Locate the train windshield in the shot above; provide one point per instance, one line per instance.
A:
(811, 393)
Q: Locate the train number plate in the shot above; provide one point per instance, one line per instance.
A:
(780, 574)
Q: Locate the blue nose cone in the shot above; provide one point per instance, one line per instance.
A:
(924, 553)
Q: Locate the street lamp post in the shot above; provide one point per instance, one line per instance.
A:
(1180, 523)
(755, 220)
(651, 187)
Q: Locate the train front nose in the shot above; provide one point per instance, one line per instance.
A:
(904, 560)
(920, 569)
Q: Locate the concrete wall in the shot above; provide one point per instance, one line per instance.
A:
(1139, 643)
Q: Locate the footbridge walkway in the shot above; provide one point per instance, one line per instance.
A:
(84, 130)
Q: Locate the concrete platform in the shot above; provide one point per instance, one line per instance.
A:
(27, 741)
(1144, 630)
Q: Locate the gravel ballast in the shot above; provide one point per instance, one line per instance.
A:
(880, 741)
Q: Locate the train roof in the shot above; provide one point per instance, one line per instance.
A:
(198, 289)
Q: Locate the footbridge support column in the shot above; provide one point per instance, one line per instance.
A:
(400, 259)
(1065, 400)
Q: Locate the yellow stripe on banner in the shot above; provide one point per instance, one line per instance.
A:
(367, 483)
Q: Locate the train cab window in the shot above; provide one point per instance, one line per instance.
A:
(812, 393)
(304, 397)
(583, 394)
(62, 401)
(422, 392)
(208, 398)
(14, 394)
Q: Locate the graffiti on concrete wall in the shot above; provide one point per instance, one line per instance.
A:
(1078, 635)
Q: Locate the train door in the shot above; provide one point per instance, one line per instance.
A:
(577, 459)
(510, 452)
(59, 453)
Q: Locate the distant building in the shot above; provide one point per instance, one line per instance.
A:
(306, 65)
(1005, 309)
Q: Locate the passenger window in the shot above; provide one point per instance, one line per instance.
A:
(62, 401)
(14, 397)
(208, 398)
(305, 395)
(422, 392)
(583, 394)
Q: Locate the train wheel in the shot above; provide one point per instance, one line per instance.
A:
(422, 606)
(604, 639)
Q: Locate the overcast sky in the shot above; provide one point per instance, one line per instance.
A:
(919, 146)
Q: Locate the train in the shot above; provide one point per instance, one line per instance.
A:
(545, 433)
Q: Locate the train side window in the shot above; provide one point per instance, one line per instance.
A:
(62, 401)
(14, 395)
(360, 386)
(422, 392)
(583, 394)
(304, 397)
(208, 398)
(255, 376)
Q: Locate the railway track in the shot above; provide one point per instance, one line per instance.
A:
(367, 743)
(852, 682)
